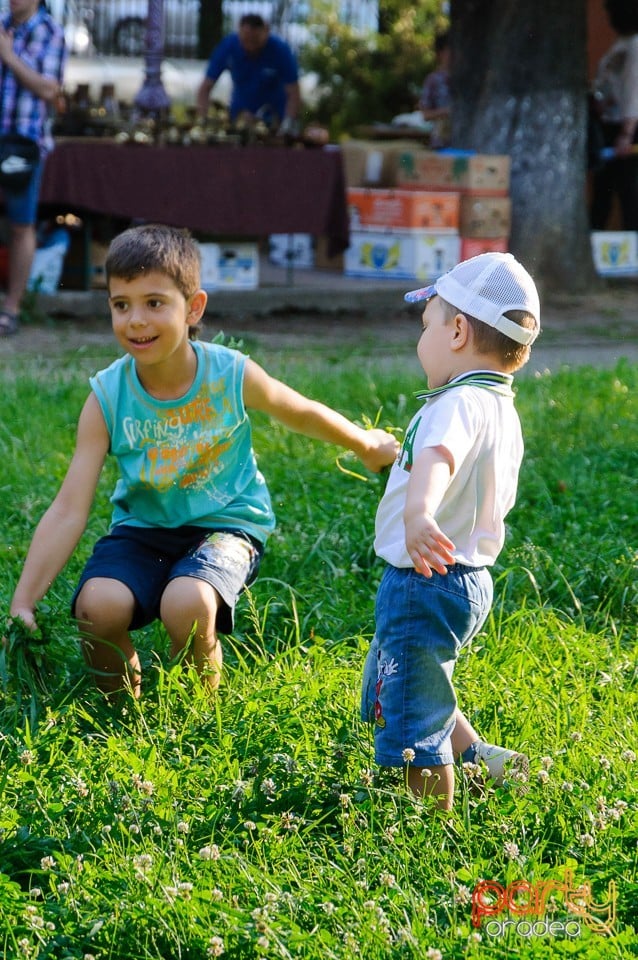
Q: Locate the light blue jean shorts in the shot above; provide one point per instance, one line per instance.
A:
(421, 626)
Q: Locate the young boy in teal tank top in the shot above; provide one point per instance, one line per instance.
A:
(191, 511)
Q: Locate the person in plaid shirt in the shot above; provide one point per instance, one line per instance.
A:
(32, 59)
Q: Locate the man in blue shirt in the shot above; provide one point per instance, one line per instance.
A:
(264, 73)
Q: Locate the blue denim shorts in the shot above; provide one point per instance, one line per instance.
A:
(22, 208)
(421, 626)
(147, 559)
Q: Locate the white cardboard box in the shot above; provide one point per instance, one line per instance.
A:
(615, 252)
(409, 255)
(238, 266)
(291, 250)
(209, 253)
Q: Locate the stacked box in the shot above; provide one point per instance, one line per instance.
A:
(404, 210)
(405, 255)
(402, 234)
(372, 163)
(483, 183)
(291, 250)
(486, 174)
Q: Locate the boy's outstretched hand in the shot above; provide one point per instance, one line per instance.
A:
(380, 451)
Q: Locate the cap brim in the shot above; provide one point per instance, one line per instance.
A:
(424, 293)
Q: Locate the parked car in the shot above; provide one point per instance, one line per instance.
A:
(119, 26)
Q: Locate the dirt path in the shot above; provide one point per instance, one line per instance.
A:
(597, 330)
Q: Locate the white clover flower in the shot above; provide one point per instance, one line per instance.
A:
(605, 763)
(576, 736)
(472, 770)
(511, 850)
(143, 862)
(426, 772)
(475, 937)
(24, 946)
(215, 947)
(433, 954)
(462, 895)
(63, 887)
(344, 800)
(183, 827)
(35, 893)
(408, 755)
(367, 778)
(216, 895)
(27, 757)
(134, 828)
(547, 762)
(328, 907)
(47, 863)
(210, 852)
(567, 786)
(542, 776)
(387, 879)
(263, 943)
(586, 840)
(268, 787)
(628, 756)
(250, 825)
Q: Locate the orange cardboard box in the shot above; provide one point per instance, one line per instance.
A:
(473, 246)
(404, 209)
(485, 216)
(432, 170)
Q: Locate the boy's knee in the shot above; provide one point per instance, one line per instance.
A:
(189, 598)
(103, 601)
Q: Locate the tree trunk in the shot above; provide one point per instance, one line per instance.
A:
(519, 88)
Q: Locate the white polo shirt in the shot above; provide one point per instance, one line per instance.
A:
(481, 430)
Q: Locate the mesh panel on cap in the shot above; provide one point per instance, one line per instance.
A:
(502, 284)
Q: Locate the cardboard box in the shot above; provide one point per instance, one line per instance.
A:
(485, 216)
(615, 252)
(408, 255)
(238, 266)
(431, 170)
(291, 250)
(403, 209)
(209, 253)
(372, 163)
(473, 246)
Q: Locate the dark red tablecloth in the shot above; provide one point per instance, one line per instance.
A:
(226, 191)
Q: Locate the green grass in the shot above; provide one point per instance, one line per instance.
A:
(161, 829)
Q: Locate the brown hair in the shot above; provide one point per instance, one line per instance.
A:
(152, 246)
(512, 355)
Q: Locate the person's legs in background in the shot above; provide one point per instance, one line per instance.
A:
(22, 210)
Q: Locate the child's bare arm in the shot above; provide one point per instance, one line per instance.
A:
(61, 527)
(427, 545)
(375, 448)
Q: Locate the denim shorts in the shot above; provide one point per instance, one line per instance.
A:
(147, 559)
(22, 208)
(421, 626)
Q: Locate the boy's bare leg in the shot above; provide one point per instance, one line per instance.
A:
(187, 604)
(438, 782)
(463, 735)
(103, 610)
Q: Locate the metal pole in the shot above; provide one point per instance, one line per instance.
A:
(153, 99)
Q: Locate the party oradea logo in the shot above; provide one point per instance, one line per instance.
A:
(547, 908)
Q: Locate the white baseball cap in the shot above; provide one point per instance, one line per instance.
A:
(487, 287)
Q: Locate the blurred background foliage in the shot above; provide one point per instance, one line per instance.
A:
(371, 79)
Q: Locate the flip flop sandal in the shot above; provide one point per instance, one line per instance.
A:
(8, 323)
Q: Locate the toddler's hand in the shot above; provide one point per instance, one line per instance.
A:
(427, 545)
